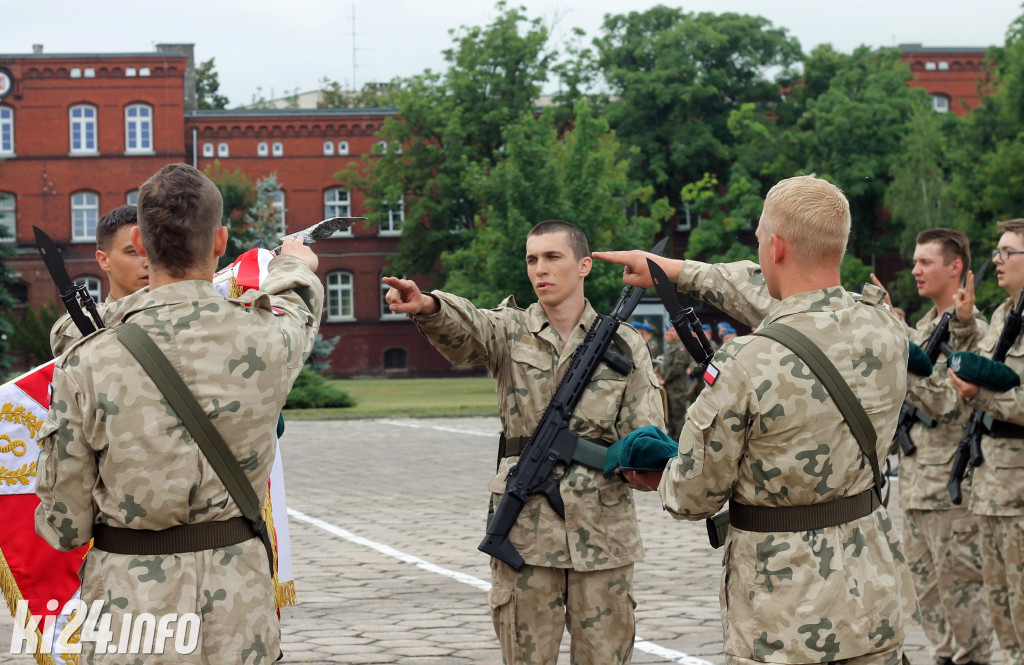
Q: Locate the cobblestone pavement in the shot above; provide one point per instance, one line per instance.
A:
(385, 519)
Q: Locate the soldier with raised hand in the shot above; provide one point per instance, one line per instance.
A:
(829, 583)
(997, 485)
(941, 540)
(116, 463)
(578, 571)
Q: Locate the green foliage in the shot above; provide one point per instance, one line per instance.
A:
(263, 219)
(578, 178)
(207, 85)
(312, 391)
(728, 217)
(31, 334)
(239, 196)
(319, 359)
(8, 278)
(333, 96)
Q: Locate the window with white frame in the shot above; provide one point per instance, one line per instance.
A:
(93, 285)
(75, 73)
(277, 149)
(138, 128)
(207, 150)
(144, 71)
(339, 296)
(85, 208)
(930, 66)
(132, 198)
(385, 309)
(130, 71)
(391, 217)
(6, 130)
(336, 204)
(89, 73)
(684, 220)
(281, 210)
(83, 129)
(940, 103)
(342, 147)
(261, 149)
(943, 65)
(383, 145)
(328, 147)
(8, 216)
(222, 150)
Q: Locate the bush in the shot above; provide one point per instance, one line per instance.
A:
(312, 391)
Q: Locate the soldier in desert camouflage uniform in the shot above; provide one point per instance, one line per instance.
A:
(997, 487)
(127, 270)
(579, 571)
(941, 540)
(674, 376)
(766, 434)
(113, 454)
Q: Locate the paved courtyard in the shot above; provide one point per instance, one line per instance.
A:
(385, 519)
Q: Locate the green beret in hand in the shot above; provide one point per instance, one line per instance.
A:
(983, 371)
(918, 362)
(646, 449)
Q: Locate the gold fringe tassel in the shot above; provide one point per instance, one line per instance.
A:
(12, 594)
(235, 291)
(284, 594)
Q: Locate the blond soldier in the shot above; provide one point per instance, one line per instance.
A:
(116, 461)
(127, 270)
(997, 488)
(767, 435)
(579, 571)
(941, 540)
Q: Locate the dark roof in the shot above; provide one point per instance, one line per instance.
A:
(918, 48)
(81, 56)
(253, 113)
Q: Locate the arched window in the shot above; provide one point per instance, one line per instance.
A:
(337, 204)
(93, 285)
(277, 149)
(207, 150)
(391, 217)
(281, 210)
(261, 149)
(940, 103)
(395, 359)
(339, 296)
(328, 147)
(138, 128)
(223, 150)
(83, 129)
(342, 147)
(85, 208)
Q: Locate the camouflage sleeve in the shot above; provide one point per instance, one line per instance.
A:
(464, 334)
(738, 289)
(295, 291)
(933, 394)
(66, 470)
(700, 479)
(641, 404)
(63, 334)
(965, 335)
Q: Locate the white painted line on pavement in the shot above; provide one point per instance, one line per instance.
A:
(441, 428)
(670, 655)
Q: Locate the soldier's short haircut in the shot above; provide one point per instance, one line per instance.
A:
(112, 222)
(811, 214)
(179, 213)
(953, 245)
(1012, 226)
(577, 239)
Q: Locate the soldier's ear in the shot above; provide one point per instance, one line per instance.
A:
(103, 260)
(220, 241)
(136, 237)
(586, 265)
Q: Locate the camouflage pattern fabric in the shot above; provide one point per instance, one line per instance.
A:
(113, 453)
(674, 366)
(941, 540)
(64, 332)
(1002, 551)
(768, 434)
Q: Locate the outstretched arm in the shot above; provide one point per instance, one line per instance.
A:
(635, 271)
(405, 297)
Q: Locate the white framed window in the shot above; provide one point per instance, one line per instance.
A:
(207, 150)
(75, 73)
(337, 204)
(138, 128)
(132, 198)
(930, 66)
(93, 285)
(391, 217)
(943, 65)
(89, 73)
(383, 145)
(684, 221)
(85, 209)
(83, 129)
(328, 147)
(9, 216)
(342, 147)
(339, 296)
(385, 310)
(6, 131)
(222, 150)
(143, 71)
(277, 149)
(261, 149)
(130, 71)
(281, 210)
(940, 103)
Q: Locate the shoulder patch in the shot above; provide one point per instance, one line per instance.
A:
(710, 374)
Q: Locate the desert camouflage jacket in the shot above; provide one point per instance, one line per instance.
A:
(998, 484)
(923, 475)
(114, 453)
(64, 332)
(768, 434)
(528, 358)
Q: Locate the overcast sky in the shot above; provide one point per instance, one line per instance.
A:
(280, 46)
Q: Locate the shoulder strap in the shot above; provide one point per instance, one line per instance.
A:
(199, 425)
(829, 376)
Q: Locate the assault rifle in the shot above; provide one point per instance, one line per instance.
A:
(551, 447)
(937, 343)
(968, 451)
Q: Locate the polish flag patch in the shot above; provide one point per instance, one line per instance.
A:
(710, 374)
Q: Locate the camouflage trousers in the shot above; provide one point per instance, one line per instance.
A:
(943, 549)
(889, 657)
(1002, 554)
(531, 609)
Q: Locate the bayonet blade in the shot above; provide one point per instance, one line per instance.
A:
(69, 291)
(54, 261)
(322, 229)
(666, 291)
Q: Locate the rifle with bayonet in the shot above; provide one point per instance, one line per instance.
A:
(937, 343)
(968, 451)
(75, 296)
(552, 446)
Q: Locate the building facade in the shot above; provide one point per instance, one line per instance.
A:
(79, 133)
(949, 74)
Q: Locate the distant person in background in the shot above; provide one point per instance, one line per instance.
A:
(675, 379)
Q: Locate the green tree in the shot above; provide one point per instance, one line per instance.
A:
(239, 195)
(8, 279)
(373, 95)
(447, 125)
(31, 334)
(577, 177)
(207, 85)
(263, 218)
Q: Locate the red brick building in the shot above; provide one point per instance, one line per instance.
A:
(80, 132)
(949, 74)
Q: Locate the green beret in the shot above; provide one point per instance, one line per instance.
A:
(646, 449)
(918, 362)
(280, 425)
(983, 371)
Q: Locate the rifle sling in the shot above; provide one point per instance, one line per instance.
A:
(587, 453)
(1000, 429)
(202, 429)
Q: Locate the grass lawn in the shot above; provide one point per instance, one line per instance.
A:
(381, 398)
